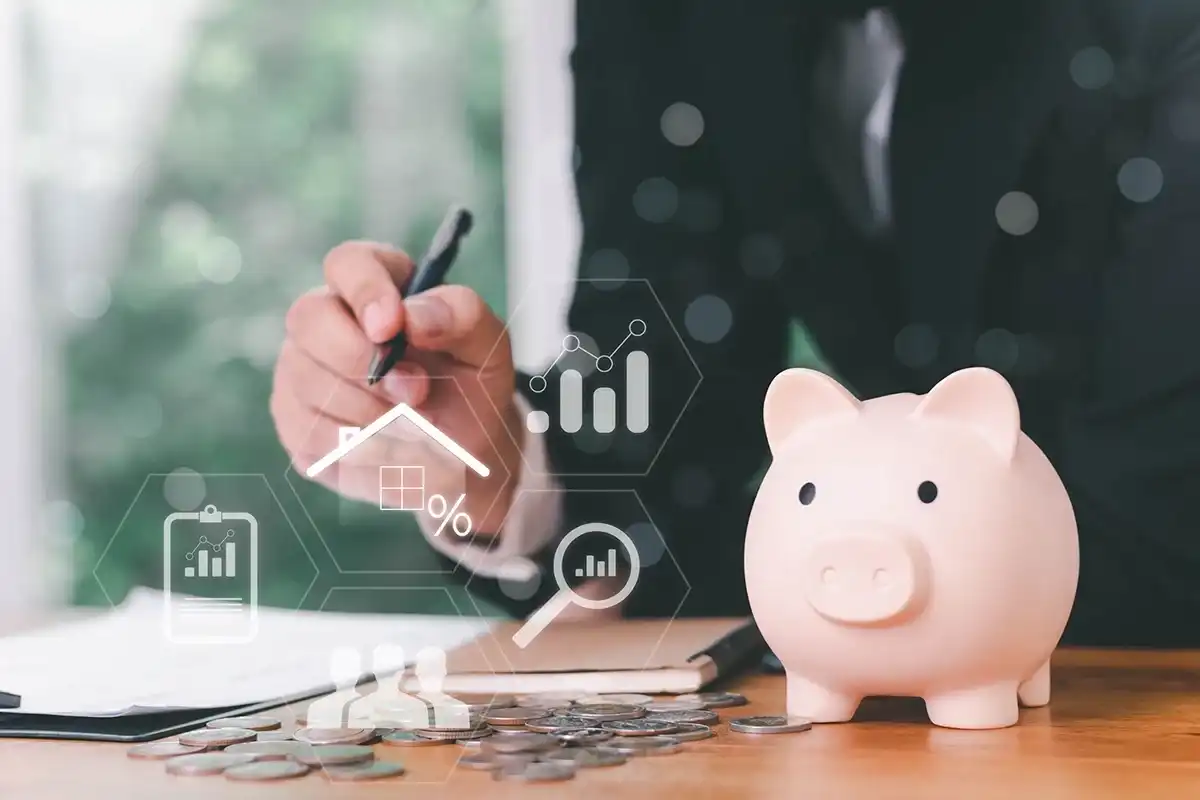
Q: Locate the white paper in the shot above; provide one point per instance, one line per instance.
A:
(118, 661)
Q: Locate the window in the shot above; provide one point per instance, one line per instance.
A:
(188, 163)
(401, 488)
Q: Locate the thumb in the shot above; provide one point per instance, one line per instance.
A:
(456, 321)
(406, 383)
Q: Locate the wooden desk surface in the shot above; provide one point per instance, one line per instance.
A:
(1120, 724)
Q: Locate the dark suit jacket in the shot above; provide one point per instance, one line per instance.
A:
(1101, 300)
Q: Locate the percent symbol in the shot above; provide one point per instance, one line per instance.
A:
(449, 515)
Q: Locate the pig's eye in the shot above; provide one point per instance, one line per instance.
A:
(927, 492)
(807, 493)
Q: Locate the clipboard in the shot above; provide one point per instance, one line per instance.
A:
(203, 618)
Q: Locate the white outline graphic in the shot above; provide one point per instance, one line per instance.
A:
(217, 609)
(538, 620)
(662, 428)
(407, 412)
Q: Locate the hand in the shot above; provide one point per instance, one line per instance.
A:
(457, 372)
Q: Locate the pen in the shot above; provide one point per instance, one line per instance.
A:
(430, 272)
(9, 700)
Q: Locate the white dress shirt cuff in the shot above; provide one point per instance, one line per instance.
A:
(531, 523)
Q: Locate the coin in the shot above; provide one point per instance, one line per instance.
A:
(333, 735)
(270, 751)
(587, 757)
(216, 737)
(336, 755)
(583, 737)
(365, 772)
(659, 706)
(518, 743)
(515, 716)
(607, 712)
(267, 771)
(484, 700)
(549, 699)
(157, 750)
(480, 761)
(248, 723)
(411, 739)
(769, 724)
(273, 736)
(507, 760)
(644, 746)
(624, 699)
(206, 763)
(454, 735)
(714, 699)
(692, 732)
(640, 727)
(538, 771)
(701, 715)
(556, 723)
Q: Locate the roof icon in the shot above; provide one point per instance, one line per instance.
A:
(407, 412)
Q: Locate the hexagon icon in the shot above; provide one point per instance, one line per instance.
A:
(368, 490)
(603, 523)
(219, 545)
(411, 666)
(597, 395)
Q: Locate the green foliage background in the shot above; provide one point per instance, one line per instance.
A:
(260, 149)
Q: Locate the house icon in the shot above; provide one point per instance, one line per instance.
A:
(351, 438)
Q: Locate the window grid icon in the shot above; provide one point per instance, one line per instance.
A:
(401, 488)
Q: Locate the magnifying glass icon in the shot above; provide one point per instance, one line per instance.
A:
(565, 596)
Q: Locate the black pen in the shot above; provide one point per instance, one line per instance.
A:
(430, 272)
(10, 700)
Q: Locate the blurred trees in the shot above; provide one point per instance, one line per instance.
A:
(262, 168)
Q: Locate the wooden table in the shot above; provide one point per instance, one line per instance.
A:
(1120, 724)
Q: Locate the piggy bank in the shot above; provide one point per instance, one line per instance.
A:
(911, 545)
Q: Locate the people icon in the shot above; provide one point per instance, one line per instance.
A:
(447, 711)
(332, 710)
(389, 706)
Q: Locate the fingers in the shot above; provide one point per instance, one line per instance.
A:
(308, 435)
(455, 320)
(367, 276)
(320, 325)
(344, 400)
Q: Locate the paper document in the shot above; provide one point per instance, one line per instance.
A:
(120, 662)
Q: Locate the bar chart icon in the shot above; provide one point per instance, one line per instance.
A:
(603, 569)
(208, 563)
(604, 405)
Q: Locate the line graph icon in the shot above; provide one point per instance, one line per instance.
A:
(226, 566)
(604, 398)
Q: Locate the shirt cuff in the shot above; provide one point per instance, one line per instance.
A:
(532, 521)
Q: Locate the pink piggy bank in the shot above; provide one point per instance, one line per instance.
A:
(910, 545)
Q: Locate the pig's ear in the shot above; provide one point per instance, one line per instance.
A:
(980, 399)
(799, 396)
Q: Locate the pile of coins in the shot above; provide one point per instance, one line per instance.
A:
(535, 738)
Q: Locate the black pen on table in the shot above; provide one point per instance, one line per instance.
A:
(430, 272)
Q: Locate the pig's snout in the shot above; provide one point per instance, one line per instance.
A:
(865, 577)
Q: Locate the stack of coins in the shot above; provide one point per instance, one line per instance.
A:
(552, 737)
(533, 738)
(252, 749)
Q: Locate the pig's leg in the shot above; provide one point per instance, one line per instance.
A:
(980, 708)
(1035, 692)
(813, 702)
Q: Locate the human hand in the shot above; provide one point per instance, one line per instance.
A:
(457, 372)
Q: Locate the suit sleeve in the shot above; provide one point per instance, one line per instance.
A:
(663, 237)
(1131, 440)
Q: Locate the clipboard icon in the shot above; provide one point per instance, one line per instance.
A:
(210, 577)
